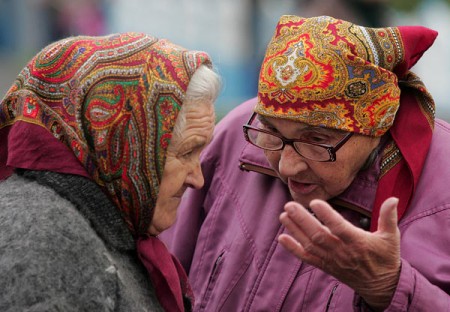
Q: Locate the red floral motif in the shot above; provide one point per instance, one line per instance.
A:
(313, 61)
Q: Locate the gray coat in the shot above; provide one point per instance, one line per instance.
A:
(63, 247)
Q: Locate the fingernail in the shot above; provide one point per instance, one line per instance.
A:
(290, 209)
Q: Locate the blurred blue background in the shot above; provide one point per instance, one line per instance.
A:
(233, 32)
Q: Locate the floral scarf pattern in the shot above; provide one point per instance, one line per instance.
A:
(112, 101)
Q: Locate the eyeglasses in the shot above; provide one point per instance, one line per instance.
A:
(271, 141)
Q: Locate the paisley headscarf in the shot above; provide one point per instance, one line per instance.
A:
(113, 102)
(328, 72)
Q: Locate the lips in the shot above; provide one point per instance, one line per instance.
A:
(301, 188)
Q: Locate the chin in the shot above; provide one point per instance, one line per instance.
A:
(303, 200)
(159, 226)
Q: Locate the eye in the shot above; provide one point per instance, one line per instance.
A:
(319, 139)
(268, 127)
(316, 137)
(191, 154)
(187, 154)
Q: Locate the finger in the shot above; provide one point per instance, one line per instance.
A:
(294, 247)
(307, 230)
(331, 218)
(292, 227)
(387, 221)
(302, 218)
(296, 232)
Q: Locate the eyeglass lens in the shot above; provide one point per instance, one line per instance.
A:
(272, 142)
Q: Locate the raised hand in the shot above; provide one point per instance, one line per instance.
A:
(367, 262)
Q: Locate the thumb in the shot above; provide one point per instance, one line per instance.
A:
(387, 221)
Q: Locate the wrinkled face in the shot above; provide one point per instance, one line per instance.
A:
(308, 179)
(182, 167)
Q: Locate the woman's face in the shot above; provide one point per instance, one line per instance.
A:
(309, 179)
(182, 168)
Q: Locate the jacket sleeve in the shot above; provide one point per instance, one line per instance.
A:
(414, 293)
(424, 283)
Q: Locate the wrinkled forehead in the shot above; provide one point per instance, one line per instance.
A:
(296, 126)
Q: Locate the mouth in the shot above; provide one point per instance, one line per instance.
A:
(301, 188)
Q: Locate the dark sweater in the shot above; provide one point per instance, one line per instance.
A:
(64, 247)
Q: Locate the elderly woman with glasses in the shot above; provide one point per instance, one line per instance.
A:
(335, 197)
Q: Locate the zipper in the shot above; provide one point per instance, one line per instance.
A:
(333, 291)
(212, 280)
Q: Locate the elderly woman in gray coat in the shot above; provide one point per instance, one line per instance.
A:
(100, 137)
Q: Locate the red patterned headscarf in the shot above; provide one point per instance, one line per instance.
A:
(331, 73)
(113, 101)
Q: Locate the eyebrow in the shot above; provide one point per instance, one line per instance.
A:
(262, 119)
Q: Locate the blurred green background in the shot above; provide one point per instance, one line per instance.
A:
(234, 32)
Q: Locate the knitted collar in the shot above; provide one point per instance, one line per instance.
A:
(167, 274)
(91, 202)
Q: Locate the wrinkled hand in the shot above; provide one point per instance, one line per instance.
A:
(367, 262)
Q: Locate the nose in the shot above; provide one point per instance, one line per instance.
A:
(291, 163)
(195, 178)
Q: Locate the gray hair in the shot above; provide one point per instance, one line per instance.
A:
(371, 158)
(204, 88)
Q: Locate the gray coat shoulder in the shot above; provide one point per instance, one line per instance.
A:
(50, 257)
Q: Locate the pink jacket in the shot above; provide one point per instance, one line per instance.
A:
(226, 233)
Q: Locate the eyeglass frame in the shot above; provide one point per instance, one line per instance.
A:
(330, 148)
